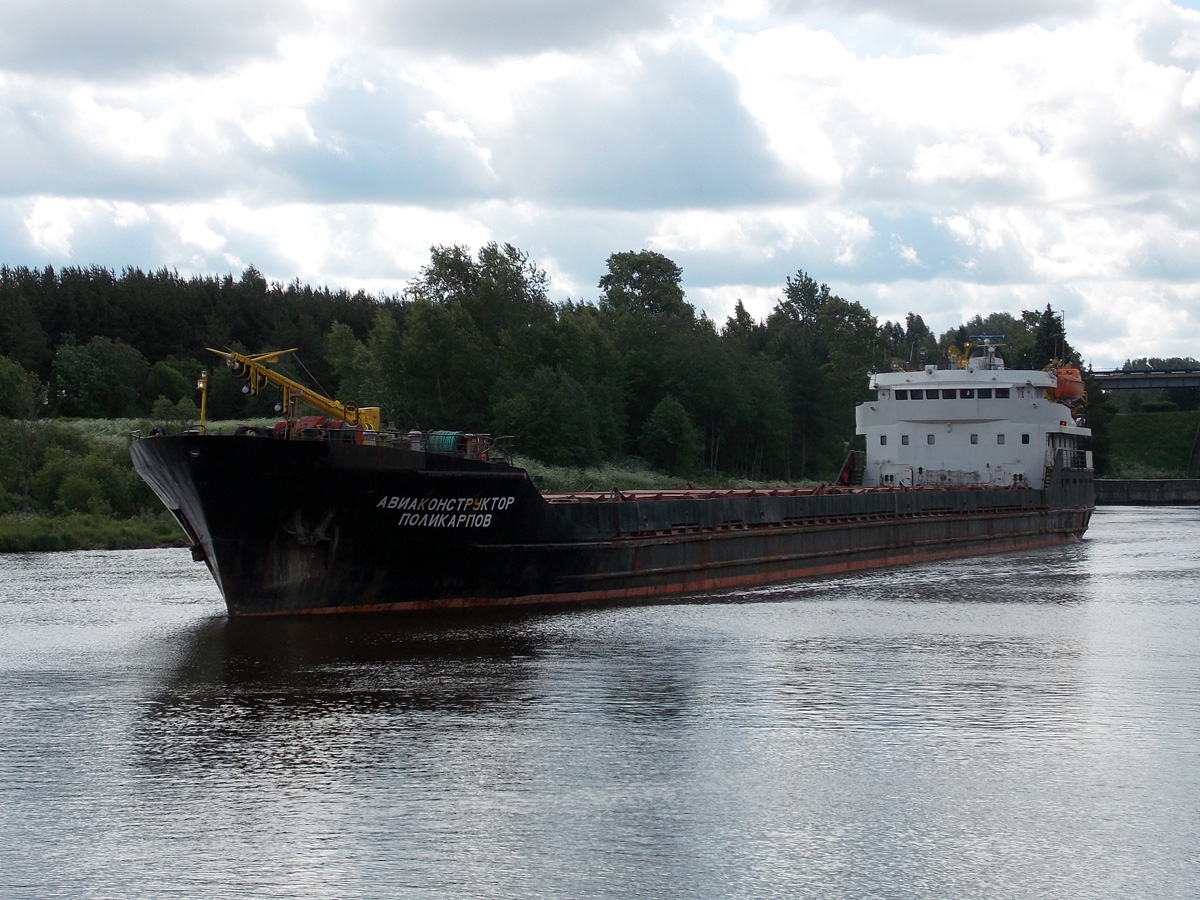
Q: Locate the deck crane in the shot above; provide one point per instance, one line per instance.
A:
(254, 371)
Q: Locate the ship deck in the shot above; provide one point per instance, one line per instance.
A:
(652, 494)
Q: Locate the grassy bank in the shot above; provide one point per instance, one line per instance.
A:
(116, 432)
(1151, 445)
(84, 531)
(83, 493)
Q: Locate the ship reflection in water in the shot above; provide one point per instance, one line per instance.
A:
(1011, 726)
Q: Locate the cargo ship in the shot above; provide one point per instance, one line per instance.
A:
(327, 513)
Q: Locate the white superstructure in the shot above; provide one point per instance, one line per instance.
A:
(978, 423)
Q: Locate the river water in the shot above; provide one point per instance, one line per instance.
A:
(1026, 725)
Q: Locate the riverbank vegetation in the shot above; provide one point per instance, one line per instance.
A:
(632, 388)
(1157, 443)
(20, 533)
(476, 343)
(69, 485)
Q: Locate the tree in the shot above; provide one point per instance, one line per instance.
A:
(742, 330)
(31, 401)
(669, 439)
(11, 378)
(553, 420)
(644, 283)
(824, 346)
(643, 305)
(444, 367)
(104, 378)
(1049, 339)
(802, 298)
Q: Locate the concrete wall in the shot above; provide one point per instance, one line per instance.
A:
(1148, 492)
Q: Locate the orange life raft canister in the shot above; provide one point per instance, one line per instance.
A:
(1070, 384)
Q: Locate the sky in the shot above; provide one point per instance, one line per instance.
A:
(938, 157)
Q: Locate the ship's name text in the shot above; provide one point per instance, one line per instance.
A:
(446, 512)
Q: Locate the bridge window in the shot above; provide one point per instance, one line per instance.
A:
(967, 393)
(1001, 393)
(974, 439)
(999, 439)
(901, 394)
(985, 393)
(949, 393)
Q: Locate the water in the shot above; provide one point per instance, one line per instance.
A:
(1015, 726)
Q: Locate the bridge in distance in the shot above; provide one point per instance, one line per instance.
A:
(1147, 379)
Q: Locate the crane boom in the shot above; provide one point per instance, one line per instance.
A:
(253, 371)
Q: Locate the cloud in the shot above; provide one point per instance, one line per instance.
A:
(121, 38)
(944, 158)
(471, 29)
(948, 15)
(388, 142)
(668, 130)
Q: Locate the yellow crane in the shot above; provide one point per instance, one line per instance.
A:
(253, 371)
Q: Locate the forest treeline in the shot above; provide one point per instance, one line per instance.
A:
(475, 343)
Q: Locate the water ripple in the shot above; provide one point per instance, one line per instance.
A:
(1014, 726)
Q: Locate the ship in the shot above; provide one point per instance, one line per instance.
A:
(328, 513)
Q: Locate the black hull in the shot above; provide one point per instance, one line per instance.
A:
(318, 526)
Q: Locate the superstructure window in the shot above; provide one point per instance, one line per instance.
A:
(974, 439)
(1001, 393)
(985, 393)
(949, 393)
(901, 394)
(999, 439)
(904, 439)
(1024, 439)
(929, 438)
(967, 393)
(883, 440)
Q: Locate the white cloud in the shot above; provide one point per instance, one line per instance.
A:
(281, 123)
(954, 162)
(199, 234)
(50, 227)
(851, 230)
(437, 121)
(905, 251)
